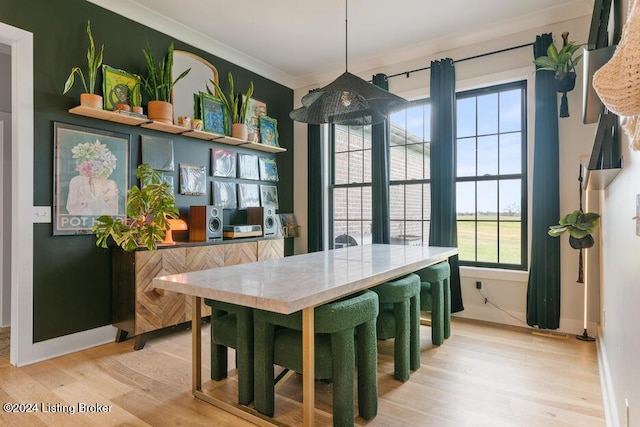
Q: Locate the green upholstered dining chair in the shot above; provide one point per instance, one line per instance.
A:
(435, 296)
(278, 340)
(399, 318)
(232, 326)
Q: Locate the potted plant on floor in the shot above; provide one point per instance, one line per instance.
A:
(148, 210)
(563, 63)
(89, 98)
(158, 85)
(236, 108)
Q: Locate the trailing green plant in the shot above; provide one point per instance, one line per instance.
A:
(93, 64)
(561, 61)
(147, 210)
(233, 101)
(158, 83)
(577, 223)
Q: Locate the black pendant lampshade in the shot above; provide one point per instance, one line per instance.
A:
(348, 100)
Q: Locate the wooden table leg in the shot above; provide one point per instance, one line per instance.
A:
(308, 367)
(196, 342)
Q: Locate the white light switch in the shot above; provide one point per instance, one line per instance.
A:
(42, 214)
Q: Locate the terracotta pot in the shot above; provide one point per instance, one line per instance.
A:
(240, 131)
(160, 111)
(123, 107)
(137, 109)
(91, 100)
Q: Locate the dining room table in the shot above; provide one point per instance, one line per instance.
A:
(290, 284)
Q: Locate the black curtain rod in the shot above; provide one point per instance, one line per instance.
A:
(407, 73)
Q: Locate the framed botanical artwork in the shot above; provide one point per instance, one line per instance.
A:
(193, 180)
(223, 163)
(224, 194)
(269, 195)
(268, 169)
(255, 109)
(248, 196)
(120, 87)
(268, 131)
(213, 114)
(157, 152)
(91, 177)
(248, 166)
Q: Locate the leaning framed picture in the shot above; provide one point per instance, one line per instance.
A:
(255, 109)
(120, 87)
(223, 163)
(213, 114)
(269, 195)
(268, 169)
(248, 196)
(268, 131)
(224, 194)
(248, 166)
(193, 180)
(90, 176)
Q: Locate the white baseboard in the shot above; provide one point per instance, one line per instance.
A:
(489, 313)
(68, 344)
(608, 396)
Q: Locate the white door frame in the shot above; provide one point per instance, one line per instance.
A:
(23, 350)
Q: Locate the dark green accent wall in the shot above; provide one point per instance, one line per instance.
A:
(72, 278)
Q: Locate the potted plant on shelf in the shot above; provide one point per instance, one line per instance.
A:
(148, 209)
(236, 108)
(563, 63)
(158, 85)
(89, 98)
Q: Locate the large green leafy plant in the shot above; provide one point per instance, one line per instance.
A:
(93, 65)
(577, 223)
(147, 210)
(158, 82)
(233, 101)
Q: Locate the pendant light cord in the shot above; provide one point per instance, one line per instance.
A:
(346, 36)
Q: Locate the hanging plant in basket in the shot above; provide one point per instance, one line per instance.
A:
(564, 65)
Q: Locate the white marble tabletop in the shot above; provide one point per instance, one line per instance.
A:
(289, 284)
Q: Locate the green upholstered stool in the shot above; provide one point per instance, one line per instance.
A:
(435, 296)
(278, 340)
(399, 318)
(232, 326)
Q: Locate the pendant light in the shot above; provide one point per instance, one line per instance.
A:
(348, 100)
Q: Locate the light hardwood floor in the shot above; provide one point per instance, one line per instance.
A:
(484, 375)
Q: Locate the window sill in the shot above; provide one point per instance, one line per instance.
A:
(494, 274)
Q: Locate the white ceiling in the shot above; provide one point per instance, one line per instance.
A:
(299, 42)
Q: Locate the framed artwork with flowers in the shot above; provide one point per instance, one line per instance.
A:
(90, 177)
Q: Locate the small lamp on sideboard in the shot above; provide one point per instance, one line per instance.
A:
(174, 225)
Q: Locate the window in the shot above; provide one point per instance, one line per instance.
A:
(409, 191)
(491, 187)
(351, 189)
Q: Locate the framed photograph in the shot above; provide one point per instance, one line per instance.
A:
(213, 114)
(248, 196)
(90, 175)
(268, 169)
(290, 227)
(157, 152)
(248, 167)
(255, 109)
(120, 87)
(223, 163)
(269, 195)
(268, 131)
(224, 194)
(193, 180)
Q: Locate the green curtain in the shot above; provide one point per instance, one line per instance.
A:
(315, 201)
(443, 229)
(543, 291)
(380, 228)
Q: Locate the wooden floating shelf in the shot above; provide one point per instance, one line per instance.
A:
(112, 116)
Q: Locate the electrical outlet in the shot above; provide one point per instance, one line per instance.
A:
(478, 285)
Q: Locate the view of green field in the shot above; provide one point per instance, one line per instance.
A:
(487, 232)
